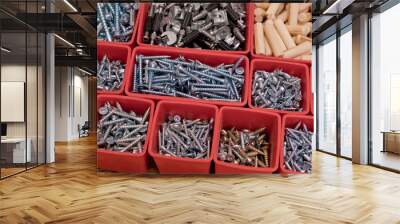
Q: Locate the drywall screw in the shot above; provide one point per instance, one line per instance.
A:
(244, 147)
(111, 73)
(116, 21)
(195, 25)
(177, 137)
(277, 90)
(188, 78)
(122, 131)
(298, 148)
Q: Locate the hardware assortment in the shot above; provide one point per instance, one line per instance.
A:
(110, 74)
(298, 148)
(116, 21)
(184, 138)
(163, 75)
(121, 131)
(181, 142)
(215, 26)
(283, 30)
(277, 90)
(245, 147)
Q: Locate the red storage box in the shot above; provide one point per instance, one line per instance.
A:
(175, 165)
(243, 118)
(290, 121)
(259, 56)
(295, 69)
(210, 58)
(249, 21)
(115, 52)
(132, 42)
(125, 161)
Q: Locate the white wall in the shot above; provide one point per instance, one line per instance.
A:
(69, 82)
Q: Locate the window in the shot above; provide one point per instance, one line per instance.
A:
(346, 93)
(327, 96)
(385, 89)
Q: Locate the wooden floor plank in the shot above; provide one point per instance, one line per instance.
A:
(72, 190)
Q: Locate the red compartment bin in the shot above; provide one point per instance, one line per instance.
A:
(192, 111)
(244, 118)
(210, 58)
(249, 21)
(125, 161)
(295, 69)
(132, 42)
(290, 121)
(115, 52)
(259, 56)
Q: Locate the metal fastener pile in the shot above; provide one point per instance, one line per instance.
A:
(110, 74)
(298, 148)
(179, 137)
(116, 21)
(216, 26)
(276, 90)
(244, 147)
(162, 75)
(122, 131)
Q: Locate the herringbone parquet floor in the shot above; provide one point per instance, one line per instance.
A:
(73, 191)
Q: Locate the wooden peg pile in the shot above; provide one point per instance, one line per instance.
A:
(283, 30)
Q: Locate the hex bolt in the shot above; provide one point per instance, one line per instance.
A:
(277, 90)
(115, 122)
(111, 74)
(196, 25)
(116, 23)
(177, 138)
(244, 147)
(298, 148)
(161, 75)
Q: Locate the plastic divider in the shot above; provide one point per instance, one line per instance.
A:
(176, 165)
(210, 58)
(115, 52)
(244, 118)
(249, 21)
(290, 121)
(125, 161)
(295, 69)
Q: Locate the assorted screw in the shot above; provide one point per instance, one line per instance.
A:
(122, 131)
(298, 148)
(276, 90)
(216, 26)
(179, 137)
(162, 75)
(244, 147)
(110, 74)
(116, 21)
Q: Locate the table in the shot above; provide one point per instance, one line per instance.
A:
(16, 147)
(391, 141)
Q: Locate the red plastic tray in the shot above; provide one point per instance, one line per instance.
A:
(243, 118)
(248, 35)
(132, 42)
(296, 69)
(115, 52)
(258, 56)
(174, 165)
(210, 58)
(290, 121)
(125, 161)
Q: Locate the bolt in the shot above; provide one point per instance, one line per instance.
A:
(244, 147)
(277, 90)
(178, 138)
(181, 25)
(121, 131)
(114, 18)
(111, 73)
